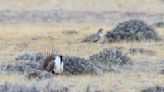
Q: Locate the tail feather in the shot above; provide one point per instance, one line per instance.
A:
(46, 59)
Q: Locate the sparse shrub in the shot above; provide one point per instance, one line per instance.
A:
(29, 57)
(38, 74)
(162, 71)
(49, 37)
(110, 57)
(77, 65)
(93, 89)
(7, 68)
(140, 50)
(132, 30)
(154, 89)
(48, 87)
(159, 24)
(70, 32)
(72, 65)
(19, 67)
(31, 68)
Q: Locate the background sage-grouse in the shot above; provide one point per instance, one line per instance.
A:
(94, 37)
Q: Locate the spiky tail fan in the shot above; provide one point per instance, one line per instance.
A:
(46, 60)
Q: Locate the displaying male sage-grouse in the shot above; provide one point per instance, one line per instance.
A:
(94, 37)
(52, 62)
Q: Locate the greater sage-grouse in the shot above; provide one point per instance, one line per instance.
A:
(52, 62)
(94, 37)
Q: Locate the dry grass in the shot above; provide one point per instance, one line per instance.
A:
(16, 39)
(50, 36)
(83, 5)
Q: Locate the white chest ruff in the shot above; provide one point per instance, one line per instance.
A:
(101, 35)
(58, 65)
